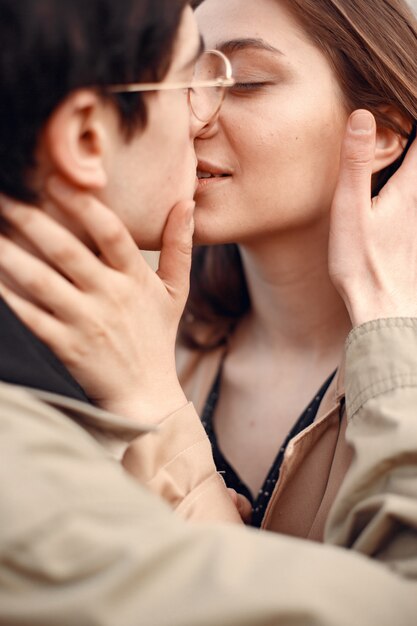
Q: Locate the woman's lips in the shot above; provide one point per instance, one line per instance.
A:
(208, 182)
(211, 174)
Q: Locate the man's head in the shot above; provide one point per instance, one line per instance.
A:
(56, 116)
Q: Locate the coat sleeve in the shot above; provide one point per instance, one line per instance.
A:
(81, 543)
(176, 462)
(375, 512)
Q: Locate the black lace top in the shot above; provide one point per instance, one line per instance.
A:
(230, 476)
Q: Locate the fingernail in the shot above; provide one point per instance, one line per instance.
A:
(361, 122)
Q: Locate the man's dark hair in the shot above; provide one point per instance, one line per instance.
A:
(52, 47)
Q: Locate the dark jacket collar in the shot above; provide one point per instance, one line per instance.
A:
(24, 360)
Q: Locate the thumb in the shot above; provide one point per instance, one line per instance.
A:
(242, 504)
(177, 245)
(356, 163)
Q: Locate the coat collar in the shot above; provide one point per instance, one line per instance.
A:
(333, 399)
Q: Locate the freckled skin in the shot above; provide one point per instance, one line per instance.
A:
(282, 142)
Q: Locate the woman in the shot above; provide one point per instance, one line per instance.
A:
(264, 327)
(265, 324)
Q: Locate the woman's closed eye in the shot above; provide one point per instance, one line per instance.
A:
(245, 86)
(249, 84)
(247, 80)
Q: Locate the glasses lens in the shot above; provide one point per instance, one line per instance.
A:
(206, 101)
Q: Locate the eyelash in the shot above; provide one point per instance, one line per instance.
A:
(249, 86)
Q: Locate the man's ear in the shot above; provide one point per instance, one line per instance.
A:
(389, 144)
(75, 138)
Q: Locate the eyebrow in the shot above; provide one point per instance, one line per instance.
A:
(200, 50)
(233, 45)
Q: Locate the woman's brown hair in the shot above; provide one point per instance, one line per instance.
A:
(372, 45)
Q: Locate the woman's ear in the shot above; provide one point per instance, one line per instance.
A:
(75, 139)
(389, 144)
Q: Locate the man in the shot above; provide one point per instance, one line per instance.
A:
(80, 541)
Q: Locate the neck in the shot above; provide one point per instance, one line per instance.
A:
(294, 303)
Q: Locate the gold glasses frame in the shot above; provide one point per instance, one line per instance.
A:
(222, 82)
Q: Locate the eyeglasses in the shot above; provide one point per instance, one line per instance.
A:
(213, 74)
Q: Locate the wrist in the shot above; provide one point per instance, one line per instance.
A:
(363, 311)
(374, 308)
(149, 406)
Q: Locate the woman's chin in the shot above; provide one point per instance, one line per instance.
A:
(206, 236)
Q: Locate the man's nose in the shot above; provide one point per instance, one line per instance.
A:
(204, 130)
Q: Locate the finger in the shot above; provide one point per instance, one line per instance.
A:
(242, 504)
(356, 164)
(244, 507)
(100, 223)
(55, 242)
(177, 243)
(37, 280)
(233, 495)
(42, 324)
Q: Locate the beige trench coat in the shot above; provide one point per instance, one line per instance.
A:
(81, 542)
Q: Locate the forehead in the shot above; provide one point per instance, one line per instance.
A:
(221, 20)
